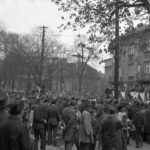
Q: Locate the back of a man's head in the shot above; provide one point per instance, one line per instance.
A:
(16, 107)
(111, 110)
(53, 101)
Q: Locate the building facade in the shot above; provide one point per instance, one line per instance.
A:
(134, 58)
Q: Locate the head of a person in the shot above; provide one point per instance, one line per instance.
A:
(124, 117)
(3, 100)
(16, 107)
(72, 103)
(106, 109)
(46, 101)
(33, 107)
(87, 106)
(112, 110)
(123, 109)
(54, 101)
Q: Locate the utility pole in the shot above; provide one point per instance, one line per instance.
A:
(82, 68)
(42, 57)
(116, 75)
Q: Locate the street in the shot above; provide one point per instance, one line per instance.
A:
(130, 147)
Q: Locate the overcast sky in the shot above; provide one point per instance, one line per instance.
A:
(21, 16)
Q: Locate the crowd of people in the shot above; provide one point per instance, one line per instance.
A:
(82, 122)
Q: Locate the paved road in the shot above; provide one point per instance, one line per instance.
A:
(130, 147)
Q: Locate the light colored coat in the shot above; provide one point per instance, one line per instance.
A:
(31, 118)
(86, 131)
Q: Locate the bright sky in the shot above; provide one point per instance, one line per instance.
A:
(21, 16)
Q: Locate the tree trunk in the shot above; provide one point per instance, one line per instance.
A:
(80, 85)
(13, 85)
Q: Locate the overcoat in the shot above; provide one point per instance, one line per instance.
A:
(14, 135)
(53, 115)
(111, 133)
(69, 118)
(147, 121)
(86, 130)
(3, 115)
(39, 117)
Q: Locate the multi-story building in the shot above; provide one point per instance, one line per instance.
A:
(134, 57)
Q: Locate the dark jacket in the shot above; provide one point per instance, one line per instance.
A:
(39, 117)
(111, 134)
(53, 115)
(69, 118)
(147, 120)
(138, 120)
(3, 115)
(14, 135)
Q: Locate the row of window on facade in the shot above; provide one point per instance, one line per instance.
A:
(145, 47)
(146, 69)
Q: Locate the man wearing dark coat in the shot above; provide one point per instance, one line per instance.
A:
(111, 134)
(13, 132)
(39, 123)
(147, 123)
(138, 121)
(53, 121)
(69, 120)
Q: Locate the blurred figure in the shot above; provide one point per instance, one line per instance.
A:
(53, 121)
(94, 127)
(69, 123)
(147, 123)
(125, 132)
(3, 107)
(39, 122)
(86, 130)
(14, 133)
(25, 116)
(111, 132)
(138, 121)
(31, 114)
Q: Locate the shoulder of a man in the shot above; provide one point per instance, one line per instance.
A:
(4, 115)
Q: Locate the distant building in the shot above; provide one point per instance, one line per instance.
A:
(59, 77)
(67, 80)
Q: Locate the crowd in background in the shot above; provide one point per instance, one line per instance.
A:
(83, 122)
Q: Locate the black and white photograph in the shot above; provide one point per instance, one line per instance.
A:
(74, 74)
